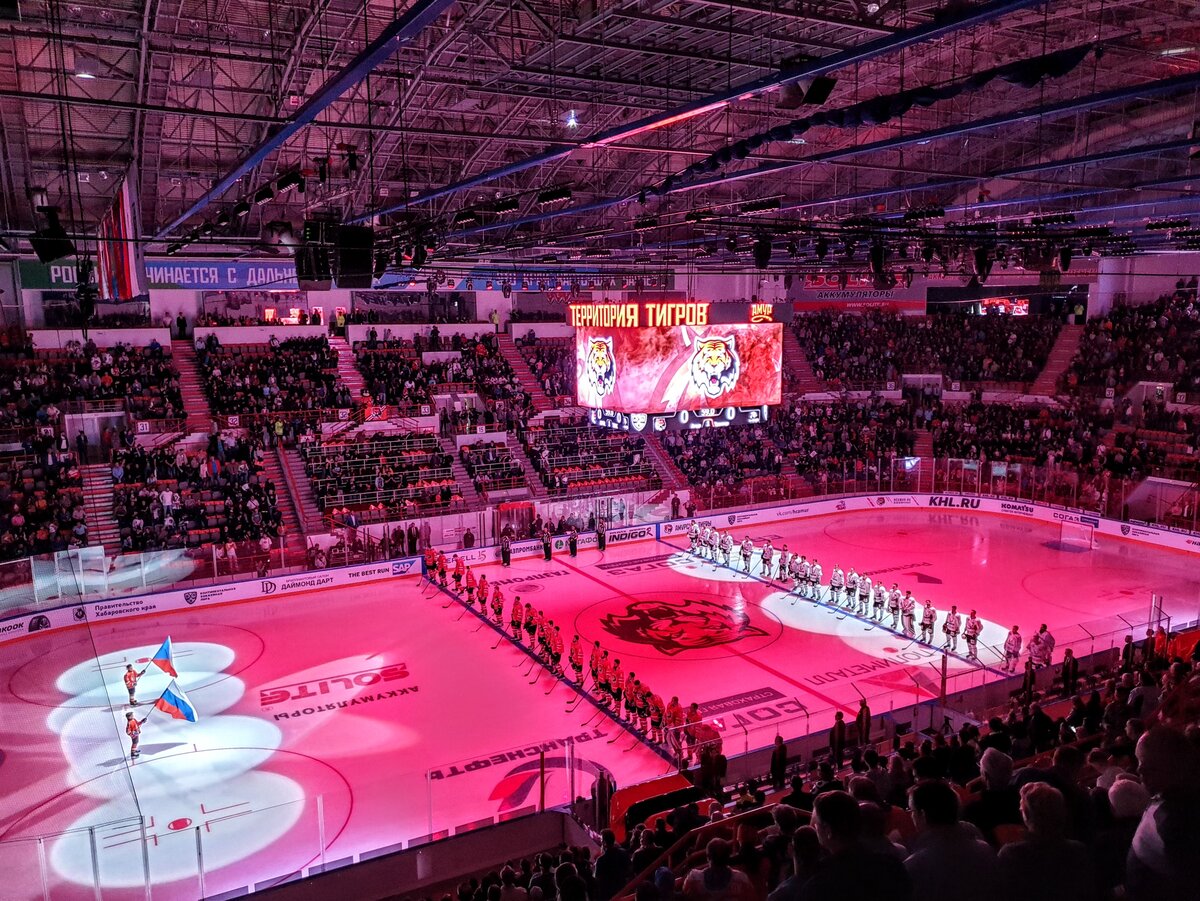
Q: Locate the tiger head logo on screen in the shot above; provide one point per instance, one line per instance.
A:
(716, 366)
(601, 366)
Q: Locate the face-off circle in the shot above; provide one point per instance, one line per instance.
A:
(80, 674)
(688, 625)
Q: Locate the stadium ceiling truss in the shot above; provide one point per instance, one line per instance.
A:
(513, 94)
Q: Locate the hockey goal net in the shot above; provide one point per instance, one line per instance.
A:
(1077, 535)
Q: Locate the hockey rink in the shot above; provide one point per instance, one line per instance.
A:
(339, 724)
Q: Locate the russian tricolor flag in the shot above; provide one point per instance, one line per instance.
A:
(174, 702)
(162, 658)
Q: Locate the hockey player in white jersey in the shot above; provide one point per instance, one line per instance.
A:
(804, 568)
(971, 632)
(908, 614)
(928, 619)
(951, 626)
(747, 553)
(714, 544)
(837, 585)
(894, 598)
(726, 548)
(768, 554)
(781, 566)
(852, 589)
(1012, 649)
(879, 601)
(694, 536)
(814, 580)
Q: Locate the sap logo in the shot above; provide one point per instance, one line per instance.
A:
(189, 597)
(268, 587)
(401, 567)
(970, 503)
(347, 682)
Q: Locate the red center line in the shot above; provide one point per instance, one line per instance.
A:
(758, 663)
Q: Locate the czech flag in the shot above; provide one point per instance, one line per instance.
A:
(174, 702)
(162, 658)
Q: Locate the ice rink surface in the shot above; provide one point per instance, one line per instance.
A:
(342, 723)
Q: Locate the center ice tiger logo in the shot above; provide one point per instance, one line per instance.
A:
(716, 366)
(601, 365)
(675, 628)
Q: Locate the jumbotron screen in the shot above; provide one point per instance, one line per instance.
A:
(656, 369)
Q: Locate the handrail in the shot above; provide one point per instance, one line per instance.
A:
(692, 838)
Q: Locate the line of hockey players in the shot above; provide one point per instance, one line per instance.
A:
(622, 693)
(858, 594)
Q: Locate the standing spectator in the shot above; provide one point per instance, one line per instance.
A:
(779, 763)
(414, 539)
(837, 739)
(862, 723)
(948, 862)
(612, 868)
(181, 324)
(81, 446)
(1046, 866)
(675, 505)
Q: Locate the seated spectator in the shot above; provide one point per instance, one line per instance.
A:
(718, 881)
(850, 872)
(948, 862)
(298, 374)
(1046, 865)
(1161, 864)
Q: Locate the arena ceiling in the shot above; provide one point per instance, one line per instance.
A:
(604, 103)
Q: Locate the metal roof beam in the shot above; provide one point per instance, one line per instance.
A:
(745, 91)
(401, 31)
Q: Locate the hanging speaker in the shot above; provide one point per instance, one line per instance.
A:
(314, 271)
(354, 256)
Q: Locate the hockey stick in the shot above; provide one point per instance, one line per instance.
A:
(599, 712)
(538, 678)
(636, 742)
(500, 641)
(480, 626)
(553, 685)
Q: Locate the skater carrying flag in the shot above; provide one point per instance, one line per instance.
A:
(133, 728)
(131, 681)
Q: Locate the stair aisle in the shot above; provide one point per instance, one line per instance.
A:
(347, 367)
(98, 502)
(1061, 354)
(284, 499)
(532, 477)
(466, 487)
(541, 400)
(672, 476)
(191, 386)
(298, 485)
(799, 378)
